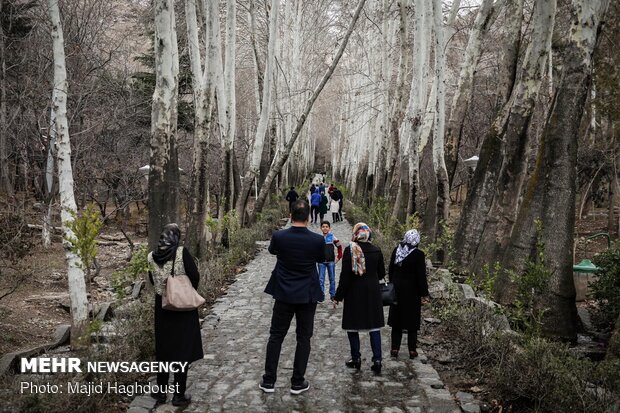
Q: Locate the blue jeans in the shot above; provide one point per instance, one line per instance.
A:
(331, 269)
(375, 344)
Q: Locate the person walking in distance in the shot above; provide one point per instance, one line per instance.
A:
(337, 196)
(315, 202)
(323, 206)
(294, 284)
(291, 197)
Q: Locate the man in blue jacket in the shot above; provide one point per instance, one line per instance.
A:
(294, 284)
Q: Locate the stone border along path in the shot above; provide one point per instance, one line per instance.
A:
(235, 335)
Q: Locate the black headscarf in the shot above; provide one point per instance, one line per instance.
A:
(168, 244)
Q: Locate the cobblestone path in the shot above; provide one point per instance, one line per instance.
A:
(235, 336)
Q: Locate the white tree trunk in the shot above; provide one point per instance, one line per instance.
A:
(256, 149)
(411, 126)
(465, 88)
(164, 169)
(439, 163)
(75, 274)
(282, 156)
(198, 206)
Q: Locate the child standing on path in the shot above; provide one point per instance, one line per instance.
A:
(330, 259)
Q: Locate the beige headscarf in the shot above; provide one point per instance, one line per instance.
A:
(361, 233)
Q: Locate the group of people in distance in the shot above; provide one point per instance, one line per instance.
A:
(321, 199)
(293, 284)
(297, 285)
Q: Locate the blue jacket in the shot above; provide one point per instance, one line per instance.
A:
(295, 279)
(315, 199)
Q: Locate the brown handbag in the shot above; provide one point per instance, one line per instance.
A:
(180, 295)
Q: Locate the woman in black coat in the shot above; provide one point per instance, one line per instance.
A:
(177, 333)
(407, 271)
(358, 287)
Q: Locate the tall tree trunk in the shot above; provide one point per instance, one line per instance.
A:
(282, 156)
(198, 207)
(256, 149)
(231, 101)
(409, 130)
(465, 88)
(164, 166)
(75, 274)
(46, 232)
(512, 128)
(550, 196)
(439, 162)
(481, 190)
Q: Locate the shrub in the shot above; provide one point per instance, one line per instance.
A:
(606, 290)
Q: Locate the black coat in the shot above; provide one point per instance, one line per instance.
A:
(295, 279)
(363, 308)
(411, 285)
(177, 333)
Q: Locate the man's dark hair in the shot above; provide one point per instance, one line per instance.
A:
(300, 211)
(292, 188)
(326, 222)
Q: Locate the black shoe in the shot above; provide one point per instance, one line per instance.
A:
(394, 353)
(160, 398)
(181, 400)
(354, 364)
(300, 388)
(413, 354)
(376, 367)
(267, 387)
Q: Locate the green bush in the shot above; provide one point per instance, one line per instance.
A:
(606, 290)
(138, 267)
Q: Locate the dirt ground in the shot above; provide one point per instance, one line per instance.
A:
(29, 316)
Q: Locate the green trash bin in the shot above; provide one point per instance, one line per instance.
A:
(584, 273)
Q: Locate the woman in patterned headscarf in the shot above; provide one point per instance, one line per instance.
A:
(358, 287)
(407, 271)
(177, 333)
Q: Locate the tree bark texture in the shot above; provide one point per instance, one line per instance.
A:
(164, 168)
(481, 190)
(75, 274)
(513, 126)
(197, 232)
(550, 195)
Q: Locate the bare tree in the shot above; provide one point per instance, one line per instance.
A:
(75, 273)
(256, 149)
(283, 153)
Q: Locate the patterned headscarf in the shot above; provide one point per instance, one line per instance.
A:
(407, 245)
(361, 233)
(168, 244)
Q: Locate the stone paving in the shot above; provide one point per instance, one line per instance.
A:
(235, 336)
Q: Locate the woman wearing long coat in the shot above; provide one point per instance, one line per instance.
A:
(407, 270)
(177, 333)
(358, 287)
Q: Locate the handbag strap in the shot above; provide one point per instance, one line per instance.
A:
(173, 263)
